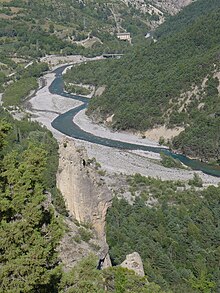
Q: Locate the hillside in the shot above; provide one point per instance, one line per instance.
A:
(173, 227)
(31, 29)
(173, 82)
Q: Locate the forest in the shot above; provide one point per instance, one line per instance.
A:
(32, 222)
(29, 229)
(163, 82)
(175, 228)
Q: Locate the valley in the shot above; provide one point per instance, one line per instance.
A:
(109, 146)
(48, 110)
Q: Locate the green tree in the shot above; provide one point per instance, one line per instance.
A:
(29, 230)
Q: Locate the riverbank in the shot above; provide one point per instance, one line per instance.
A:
(85, 123)
(45, 107)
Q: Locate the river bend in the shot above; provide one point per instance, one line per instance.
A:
(64, 123)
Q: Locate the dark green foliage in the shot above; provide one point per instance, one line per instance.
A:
(2, 80)
(58, 201)
(177, 237)
(26, 81)
(170, 162)
(86, 278)
(28, 39)
(25, 133)
(44, 27)
(77, 73)
(29, 230)
(79, 90)
(85, 234)
(142, 83)
(188, 15)
(196, 181)
(201, 139)
(34, 70)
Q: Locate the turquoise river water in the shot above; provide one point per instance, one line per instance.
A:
(64, 123)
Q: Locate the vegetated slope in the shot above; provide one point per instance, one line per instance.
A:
(175, 231)
(157, 7)
(30, 230)
(186, 17)
(35, 28)
(165, 83)
(31, 29)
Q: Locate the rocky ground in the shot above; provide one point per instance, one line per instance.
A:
(45, 107)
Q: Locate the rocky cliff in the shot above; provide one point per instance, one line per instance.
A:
(157, 9)
(85, 192)
(168, 6)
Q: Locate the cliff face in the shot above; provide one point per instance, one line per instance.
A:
(86, 195)
(171, 6)
(168, 6)
(157, 9)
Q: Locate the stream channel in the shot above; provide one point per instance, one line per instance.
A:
(64, 123)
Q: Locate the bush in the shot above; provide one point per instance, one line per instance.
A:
(86, 235)
(196, 181)
(170, 162)
(59, 202)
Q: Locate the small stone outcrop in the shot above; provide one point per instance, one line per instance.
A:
(84, 190)
(133, 262)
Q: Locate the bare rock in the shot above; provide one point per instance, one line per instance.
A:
(70, 250)
(85, 192)
(169, 6)
(86, 195)
(133, 262)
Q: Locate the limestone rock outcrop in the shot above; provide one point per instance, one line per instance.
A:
(85, 192)
(133, 262)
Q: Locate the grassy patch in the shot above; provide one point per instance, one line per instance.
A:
(170, 162)
(15, 93)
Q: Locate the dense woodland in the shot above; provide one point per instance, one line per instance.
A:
(29, 229)
(146, 87)
(24, 81)
(175, 229)
(31, 215)
(31, 29)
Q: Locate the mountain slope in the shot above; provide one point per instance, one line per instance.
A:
(31, 29)
(172, 82)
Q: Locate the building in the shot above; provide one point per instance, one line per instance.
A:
(124, 36)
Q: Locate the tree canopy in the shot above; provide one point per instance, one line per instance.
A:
(175, 230)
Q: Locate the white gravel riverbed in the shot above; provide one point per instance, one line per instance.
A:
(45, 107)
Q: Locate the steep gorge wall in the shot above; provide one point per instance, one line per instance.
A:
(87, 196)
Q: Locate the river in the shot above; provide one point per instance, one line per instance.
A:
(64, 123)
